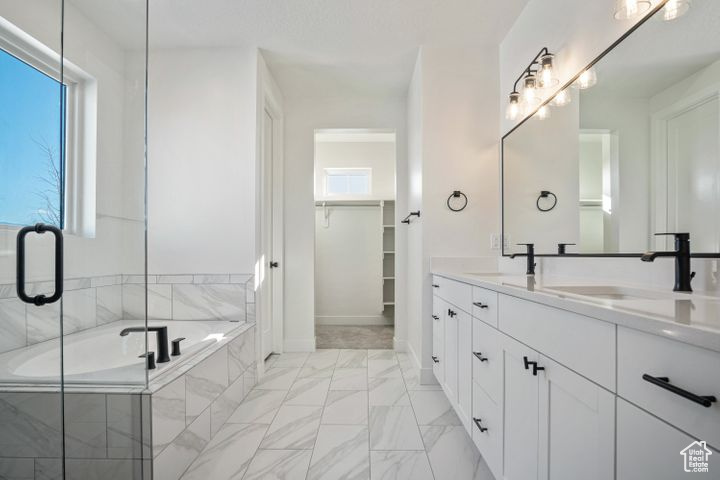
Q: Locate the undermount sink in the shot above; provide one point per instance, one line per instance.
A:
(607, 292)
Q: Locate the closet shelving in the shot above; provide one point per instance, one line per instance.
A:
(387, 215)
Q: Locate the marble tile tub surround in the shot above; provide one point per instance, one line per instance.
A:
(94, 301)
(190, 410)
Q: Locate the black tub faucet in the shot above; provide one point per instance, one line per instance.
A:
(162, 340)
(683, 275)
(530, 257)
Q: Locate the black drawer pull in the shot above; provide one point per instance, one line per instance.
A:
(451, 313)
(479, 426)
(480, 357)
(435, 285)
(435, 359)
(435, 317)
(527, 363)
(480, 305)
(536, 368)
(664, 382)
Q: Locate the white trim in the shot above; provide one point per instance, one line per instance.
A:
(81, 124)
(353, 320)
(400, 345)
(427, 377)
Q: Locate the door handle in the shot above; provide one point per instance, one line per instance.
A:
(274, 264)
(39, 300)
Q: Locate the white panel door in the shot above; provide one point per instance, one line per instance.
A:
(268, 265)
(520, 452)
(577, 426)
(438, 339)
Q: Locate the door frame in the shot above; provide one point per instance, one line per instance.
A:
(271, 304)
(659, 157)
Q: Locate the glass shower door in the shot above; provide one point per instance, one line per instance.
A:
(72, 168)
(32, 107)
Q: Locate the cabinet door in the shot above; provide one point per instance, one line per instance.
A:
(520, 452)
(577, 426)
(438, 340)
(464, 406)
(451, 352)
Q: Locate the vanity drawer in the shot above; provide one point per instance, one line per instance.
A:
(689, 368)
(457, 293)
(488, 415)
(488, 371)
(485, 305)
(583, 344)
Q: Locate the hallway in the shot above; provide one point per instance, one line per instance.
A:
(341, 414)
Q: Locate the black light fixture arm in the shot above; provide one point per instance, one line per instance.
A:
(529, 69)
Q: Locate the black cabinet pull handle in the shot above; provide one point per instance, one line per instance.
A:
(527, 363)
(435, 317)
(479, 425)
(451, 313)
(664, 382)
(536, 368)
(480, 357)
(39, 300)
(480, 305)
(435, 285)
(435, 359)
(274, 264)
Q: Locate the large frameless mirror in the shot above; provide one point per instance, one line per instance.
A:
(632, 149)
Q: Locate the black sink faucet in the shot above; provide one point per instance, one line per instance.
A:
(162, 340)
(530, 257)
(683, 275)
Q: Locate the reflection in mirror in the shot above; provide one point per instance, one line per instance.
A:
(636, 153)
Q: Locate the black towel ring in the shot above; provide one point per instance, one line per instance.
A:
(546, 194)
(457, 194)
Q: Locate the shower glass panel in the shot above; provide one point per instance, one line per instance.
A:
(73, 398)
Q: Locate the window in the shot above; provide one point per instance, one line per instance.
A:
(32, 148)
(348, 181)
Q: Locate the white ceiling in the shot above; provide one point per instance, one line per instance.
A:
(314, 47)
(659, 54)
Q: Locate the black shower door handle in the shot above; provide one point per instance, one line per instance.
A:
(39, 300)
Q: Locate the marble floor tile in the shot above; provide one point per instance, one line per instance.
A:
(387, 392)
(452, 453)
(322, 358)
(294, 428)
(279, 465)
(308, 391)
(316, 372)
(12, 318)
(229, 453)
(292, 359)
(384, 369)
(433, 408)
(349, 379)
(400, 465)
(341, 451)
(277, 378)
(381, 354)
(346, 407)
(352, 359)
(260, 406)
(394, 428)
(271, 359)
(412, 381)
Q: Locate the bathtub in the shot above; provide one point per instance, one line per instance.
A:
(100, 356)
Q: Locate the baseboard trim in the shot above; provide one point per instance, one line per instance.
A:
(306, 345)
(427, 376)
(400, 345)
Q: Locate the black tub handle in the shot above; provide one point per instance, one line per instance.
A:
(39, 300)
(664, 382)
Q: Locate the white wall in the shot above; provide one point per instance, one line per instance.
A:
(202, 160)
(376, 155)
(453, 146)
(302, 117)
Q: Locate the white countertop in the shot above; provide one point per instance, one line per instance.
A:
(691, 318)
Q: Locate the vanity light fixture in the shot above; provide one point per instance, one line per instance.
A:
(547, 73)
(539, 74)
(630, 9)
(587, 79)
(562, 98)
(674, 9)
(543, 112)
(513, 109)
